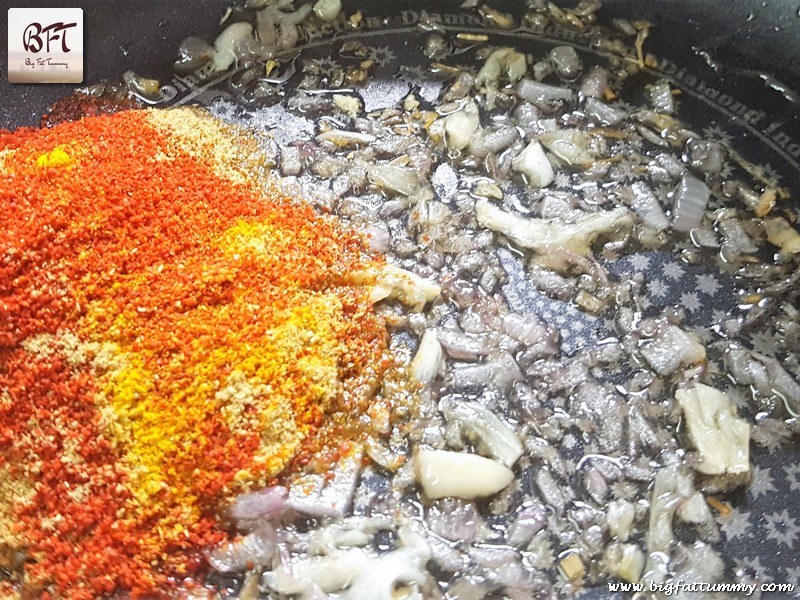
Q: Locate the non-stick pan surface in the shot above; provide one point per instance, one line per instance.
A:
(736, 62)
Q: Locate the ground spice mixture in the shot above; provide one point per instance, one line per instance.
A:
(170, 336)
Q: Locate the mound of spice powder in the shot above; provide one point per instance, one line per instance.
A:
(171, 335)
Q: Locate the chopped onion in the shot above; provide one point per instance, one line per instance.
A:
(547, 235)
(528, 330)
(691, 198)
(735, 240)
(399, 180)
(349, 105)
(193, 53)
(392, 282)
(346, 139)
(720, 437)
(695, 510)
(330, 573)
(263, 504)
(232, 44)
(500, 372)
(460, 126)
(528, 521)
(320, 495)
(595, 84)
(566, 62)
(661, 98)
(706, 156)
(782, 384)
(328, 10)
(383, 574)
(602, 112)
(570, 145)
(255, 549)
(429, 359)
(505, 62)
(455, 519)
(646, 205)
(746, 370)
(550, 491)
(533, 163)
(782, 234)
(464, 346)
(494, 437)
(492, 140)
(672, 348)
(536, 92)
(625, 560)
(442, 473)
(671, 486)
(619, 519)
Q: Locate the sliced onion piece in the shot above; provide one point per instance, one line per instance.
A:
(442, 474)
(691, 199)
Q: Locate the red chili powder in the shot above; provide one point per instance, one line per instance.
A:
(170, 336)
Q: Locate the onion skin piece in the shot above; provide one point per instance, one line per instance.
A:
(445, 474)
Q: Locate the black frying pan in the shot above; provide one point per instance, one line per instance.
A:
(738, 35)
